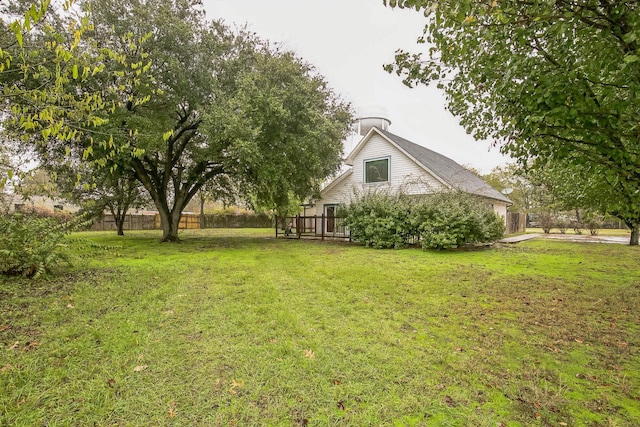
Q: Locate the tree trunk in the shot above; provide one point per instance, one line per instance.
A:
(120, 224)
(634, 235)
(118, 217)
(170, 223)
(202, 224)
(158, 189)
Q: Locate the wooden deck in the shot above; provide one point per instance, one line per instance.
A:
(312, 227)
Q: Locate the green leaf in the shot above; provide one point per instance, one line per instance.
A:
(630, 37)
(17, 30)
(167, 135)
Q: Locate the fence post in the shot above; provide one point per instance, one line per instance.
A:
(298, 225)
(322, 227)
(276, 226)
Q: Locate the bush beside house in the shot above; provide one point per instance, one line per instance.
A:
(438, 221)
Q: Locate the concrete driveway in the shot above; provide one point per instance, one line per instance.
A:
(580, 238)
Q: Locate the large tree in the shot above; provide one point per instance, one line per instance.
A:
(549, 80)
(230, 108)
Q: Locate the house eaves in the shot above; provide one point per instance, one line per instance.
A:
(443, 168)
(337, 181)
(349, 160)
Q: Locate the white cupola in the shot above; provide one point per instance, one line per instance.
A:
(370, 117)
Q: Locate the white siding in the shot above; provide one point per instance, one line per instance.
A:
(340, 194)
(501, 209)
(405, 174)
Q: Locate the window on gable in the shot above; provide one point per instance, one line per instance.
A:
(376, 170)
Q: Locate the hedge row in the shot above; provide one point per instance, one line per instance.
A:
(437, 221)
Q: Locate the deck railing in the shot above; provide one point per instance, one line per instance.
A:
(316, 227)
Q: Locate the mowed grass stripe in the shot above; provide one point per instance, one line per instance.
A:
(235, 327)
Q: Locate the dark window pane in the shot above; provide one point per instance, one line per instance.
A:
(377, 170)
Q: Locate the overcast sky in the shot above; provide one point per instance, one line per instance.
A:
(349, 41)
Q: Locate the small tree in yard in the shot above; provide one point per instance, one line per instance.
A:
(593, 222)
(547, 220)
(562, 222)
(115, 190)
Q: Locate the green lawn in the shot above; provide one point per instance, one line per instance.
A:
(237, 328)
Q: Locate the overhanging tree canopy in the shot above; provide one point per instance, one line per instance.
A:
(46, 64)
(231, 109)
(555, 80)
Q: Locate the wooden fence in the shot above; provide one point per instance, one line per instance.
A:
(131, 222)
(188, 221)
(516, 222)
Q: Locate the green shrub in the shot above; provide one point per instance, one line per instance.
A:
(547, 221)
(442, 220)
(594, 222)
(562, 223)
(380, 220)
(31, 244)
(452, 219)
(577, 226)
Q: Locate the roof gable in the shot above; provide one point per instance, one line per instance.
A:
(446, 170)
(361, 144)
(337, 180)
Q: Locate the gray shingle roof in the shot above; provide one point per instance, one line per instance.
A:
(446, 169)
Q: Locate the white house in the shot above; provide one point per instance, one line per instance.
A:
(15, 202)
(384, 161)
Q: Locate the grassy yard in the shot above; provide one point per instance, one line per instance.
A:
(236, 328)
